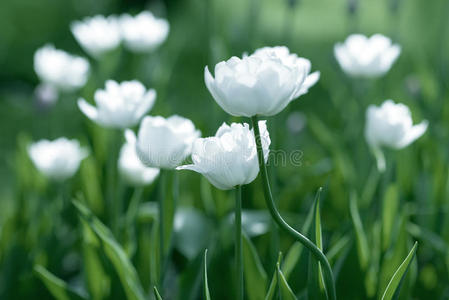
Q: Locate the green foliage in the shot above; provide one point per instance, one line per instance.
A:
(58, 288)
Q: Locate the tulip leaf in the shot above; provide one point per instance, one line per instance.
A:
(284, 289)
(114, 252)
(389, 214)
(362, 242)
(274, 280)
(255, 275)
(57, 287)
(156, 293)
(315, 286)
(206, 284)
(393, 287)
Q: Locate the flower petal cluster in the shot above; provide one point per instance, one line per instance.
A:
(263, 83)
(360, 56)
(58, 159)
(119, 105)
(130, 166)
(97, 35)
(60, 69)
(391, 125)
(229, 158)
(165, 143)
(143, 32)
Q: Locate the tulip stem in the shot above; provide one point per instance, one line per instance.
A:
(162, 195)
(238, 242)
(316, 252)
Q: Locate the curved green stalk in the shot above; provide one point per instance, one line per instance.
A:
(316, 252)
(238, 243)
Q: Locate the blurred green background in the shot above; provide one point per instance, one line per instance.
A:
(204, 32)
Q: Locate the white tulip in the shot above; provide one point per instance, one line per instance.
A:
(58, 159)
(165, 143)
(143, 32)
(130, 166)
(97, 35)
(119, 105)
(360, 56)
(293, 61)
(60, 69)
(390, 125)
(229, 159)
(255, 85)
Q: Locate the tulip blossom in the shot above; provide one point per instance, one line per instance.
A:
(229, 158)
(390, 125)
(97, 35)
(58, 159)
(143, 32)
(259, 84)
(119, 105)
(360, 56)
(292, 60)
(60, 69)
(130, 166)
(165, 143)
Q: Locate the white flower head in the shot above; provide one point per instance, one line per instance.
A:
(390, 125)
(255, 85)
(360, 56)
(60, 69)
(143, 32)
(294, 61)
(58, 159)
(130, 166)
(165, 143)
(97, 35)
(229, 158)
(119, 105)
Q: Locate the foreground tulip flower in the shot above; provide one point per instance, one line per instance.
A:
(255, 85)
(229, 159)
(97, 35)
(119, 105)
(165, 143)
(360, 56)
(143, 32)
(60, 69)
(58, 159)
(390, 125)
(293, 61)
(130, 166)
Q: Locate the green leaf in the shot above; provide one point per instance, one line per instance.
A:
(272, 289)
(57, 287)
(284, 289)
(315, 285)
(206, 284)
(115, 253)
(393, 287)
(156, 293)
(362, 242)
(255, 275)
(390, 205)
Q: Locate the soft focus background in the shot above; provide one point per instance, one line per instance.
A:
(326, 125)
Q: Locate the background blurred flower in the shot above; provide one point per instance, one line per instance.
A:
(119, 105)
(391, 125)
(366, 57)
(229, 159)
(165, 143)
(60, 69)
(144, 32)
(97, 35)
(58, 159)
(254, 85)
(130, 166)
(293, 61)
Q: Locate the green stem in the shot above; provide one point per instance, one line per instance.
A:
(316, 252)
(238, 243)
(162, 195)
